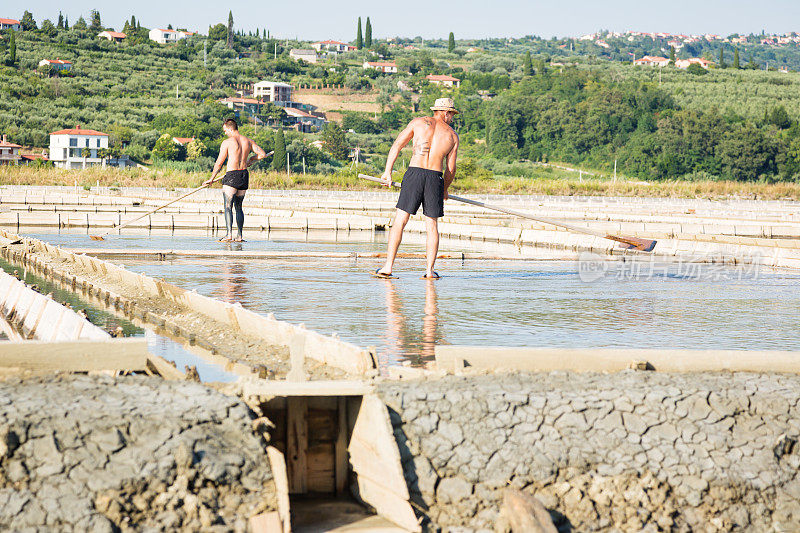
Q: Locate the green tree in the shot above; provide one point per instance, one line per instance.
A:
(451, 43)
(736, 58)
(66, 22)
(229, 40)
(696, 69)
(195, 149)
(368, 34)
(80, 25)
(12, 49)
(527, 64)
(335, 141)
(779, 117)
(60, 24)
(359, 36)
(96, 25)
(166, 149)
(27, 21)
(217, 32)
(671, 55)
(279, 157)
(133, 21)
(48, 28)
(722, 58)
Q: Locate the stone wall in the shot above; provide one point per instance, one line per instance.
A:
(629, 451)
(80, 453)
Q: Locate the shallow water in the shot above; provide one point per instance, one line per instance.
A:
(504, 303)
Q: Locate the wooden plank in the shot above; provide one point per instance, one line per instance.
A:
(278, 466)
(266, 523)
(614, 360)
(164, 369)
(320, 468)
(297, 445)
(376, 462)
(260, 387)
(341, 467)
(75, 356)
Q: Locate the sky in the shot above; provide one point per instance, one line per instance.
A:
(468, 19)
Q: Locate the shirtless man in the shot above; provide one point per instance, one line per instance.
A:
(424, 182)
(236, 149)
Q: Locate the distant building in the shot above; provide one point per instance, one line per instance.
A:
(444, 80)
(387, 67)
(336, 47)
(10, 24)
(162, 36)
(652, 61)
(309, 56)
(57, 64)
(182, 141)
(116, 36)
(302, 120)
(77, 147)
(686, 63)
(273, 91)
(9, 153)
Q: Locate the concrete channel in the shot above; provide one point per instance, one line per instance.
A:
(640, 444)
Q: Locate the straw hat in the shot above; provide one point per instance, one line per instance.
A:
(444, 104)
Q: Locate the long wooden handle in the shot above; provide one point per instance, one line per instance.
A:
(633, 242)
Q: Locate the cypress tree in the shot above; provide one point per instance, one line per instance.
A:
(451, 43)
(66, 23)
(527, 64)
(279, 157)
(359, 36)
(12, 49)
(133, 22)
(60, 24)
(721, 58)
(368, 34)
(671, 55)
(736, 58)
(229, 42)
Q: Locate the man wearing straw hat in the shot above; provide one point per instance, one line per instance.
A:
(430, 173)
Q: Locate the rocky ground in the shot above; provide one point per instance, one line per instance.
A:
(81, 453)
(634, 451)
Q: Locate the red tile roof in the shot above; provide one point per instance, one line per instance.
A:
(237, 100)
(77, 130)
(115, 34)
(9, 21)
(381, 64)
(5, 144)
(294, 112)
(440, 77)
(329, 42)
(183, 140)
(58, 61)
(34, 157)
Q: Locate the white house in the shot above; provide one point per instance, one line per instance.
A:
(336, 47)
(273, 91)
(303, 120)
(652, 61)
(387, 67)
(57, 64)
(77, 147)
(10, 24)
(444, 80)
(9, 153)
(309, 56)
(162, 36)
(116, 36)
(686, 63)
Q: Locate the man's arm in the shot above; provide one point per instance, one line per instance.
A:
(223, 155)
(258, 156)
(405, 136)
(450, 170)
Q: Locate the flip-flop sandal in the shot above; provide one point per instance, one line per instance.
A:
(382, 275)
(435, 276)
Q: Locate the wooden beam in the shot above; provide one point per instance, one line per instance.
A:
(75, 356)
(297, 445)
(164, 369)
(277, 464)
(454, 358)
(341, 464)
(260, 387)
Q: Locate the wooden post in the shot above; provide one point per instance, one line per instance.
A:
(297, 444)
(341, 463)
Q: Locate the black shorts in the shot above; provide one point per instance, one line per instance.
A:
(238, 179)
(425, 187)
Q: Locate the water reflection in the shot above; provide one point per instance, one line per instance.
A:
(233, 283)
(405, 337)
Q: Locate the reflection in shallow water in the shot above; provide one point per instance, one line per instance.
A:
(505, 303)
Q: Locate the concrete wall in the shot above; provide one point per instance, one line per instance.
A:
(629, 451)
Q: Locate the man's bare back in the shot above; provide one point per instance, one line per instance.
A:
(237, 149)
(434, 140)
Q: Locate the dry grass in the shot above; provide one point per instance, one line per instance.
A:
(340, 101)
(22, 176)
